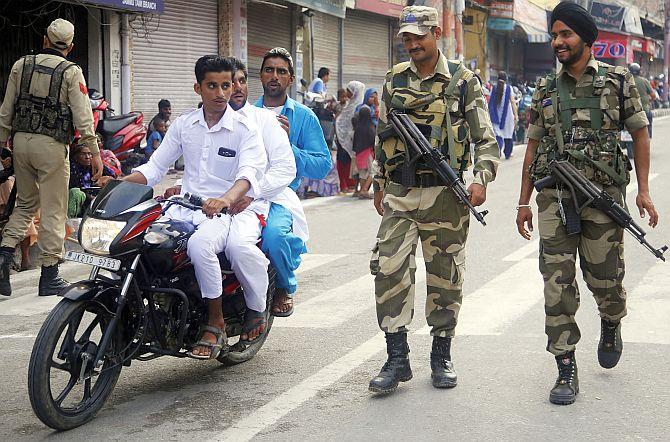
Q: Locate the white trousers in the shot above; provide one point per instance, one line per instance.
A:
(236, 235)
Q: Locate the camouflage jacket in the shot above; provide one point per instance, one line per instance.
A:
(542, 118)
(473, 116)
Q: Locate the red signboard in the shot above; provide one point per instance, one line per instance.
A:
(391, 8)
(610, 45)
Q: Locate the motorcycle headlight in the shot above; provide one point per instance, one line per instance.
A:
(97, 234)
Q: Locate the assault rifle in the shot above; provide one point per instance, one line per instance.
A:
(414, 139)
(585, 193)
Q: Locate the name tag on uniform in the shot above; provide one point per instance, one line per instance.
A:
(546, 102)
(228, 153)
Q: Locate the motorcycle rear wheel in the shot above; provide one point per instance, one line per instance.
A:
(240, 353)
(53, 357)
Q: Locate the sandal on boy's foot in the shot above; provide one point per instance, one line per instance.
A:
(214, 347)
(252, 321)
(281, 300)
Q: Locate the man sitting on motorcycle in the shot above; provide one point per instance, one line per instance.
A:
(224, 161)
(281, 167)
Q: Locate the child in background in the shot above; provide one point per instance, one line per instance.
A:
(156, 138)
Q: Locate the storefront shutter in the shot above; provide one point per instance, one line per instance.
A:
(268, 26)
(366, 48)
(326, 31)
(164, 53)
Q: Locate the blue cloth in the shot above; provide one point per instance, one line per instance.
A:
(312, 157)
(493, 106)
(312, 160)
(317, 86)
(155, 135)
(373, 108)
(283, 247)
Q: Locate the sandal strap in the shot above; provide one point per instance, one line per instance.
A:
(216, 331)
(253, 320)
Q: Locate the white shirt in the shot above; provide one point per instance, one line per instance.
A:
(281, 168)
(276, 109)
(214, 158)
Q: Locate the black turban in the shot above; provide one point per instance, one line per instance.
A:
(577, 18)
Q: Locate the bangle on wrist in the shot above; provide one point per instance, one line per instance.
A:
(520, 206)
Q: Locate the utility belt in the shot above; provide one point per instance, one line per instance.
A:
(427, 179)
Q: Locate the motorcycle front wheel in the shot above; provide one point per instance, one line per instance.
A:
(64, 350)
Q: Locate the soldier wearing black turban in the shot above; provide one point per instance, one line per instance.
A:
(576, 18)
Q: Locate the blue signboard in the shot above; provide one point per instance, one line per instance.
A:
(332, 7)
(147, 6)
(500, 24)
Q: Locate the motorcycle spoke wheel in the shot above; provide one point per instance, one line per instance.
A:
(64, 350)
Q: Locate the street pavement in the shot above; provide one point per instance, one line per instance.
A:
(309, 381)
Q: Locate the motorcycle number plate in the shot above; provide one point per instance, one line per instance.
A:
(93, 260)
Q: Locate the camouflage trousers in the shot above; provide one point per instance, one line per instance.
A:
(432, 215)
(600, 248)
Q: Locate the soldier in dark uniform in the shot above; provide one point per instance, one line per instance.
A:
(45, 100)
(577, 115)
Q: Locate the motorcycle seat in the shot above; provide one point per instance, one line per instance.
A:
(111, 125)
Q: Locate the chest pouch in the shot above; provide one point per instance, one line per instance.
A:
(43, 115)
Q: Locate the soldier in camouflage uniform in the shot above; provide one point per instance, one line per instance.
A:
(445, 100)
(45, 100)
(577, 115)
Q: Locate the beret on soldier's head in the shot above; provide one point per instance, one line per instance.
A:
(576, 18)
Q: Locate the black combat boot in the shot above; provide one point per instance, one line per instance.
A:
(610, 345)
(443, 373)
(396, 369)
(6, 258)
(50, 283)
(567, 384)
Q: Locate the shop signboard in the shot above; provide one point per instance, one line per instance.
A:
(332, 7)
(146, 6)
(391, 8)
(502, 9)
(610, 45)
(607, 16)
(500, 24)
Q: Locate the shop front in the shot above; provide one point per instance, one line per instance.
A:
(164, 51)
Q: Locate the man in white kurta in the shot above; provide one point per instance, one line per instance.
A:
(214, 158)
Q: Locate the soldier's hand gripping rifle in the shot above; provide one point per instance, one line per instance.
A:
(585, 193)
(415, 140)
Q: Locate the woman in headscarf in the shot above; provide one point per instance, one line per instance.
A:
(371, 100)
(502, 109)
(344, 130)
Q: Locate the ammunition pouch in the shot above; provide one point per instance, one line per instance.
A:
(43, 115)
(596, 153)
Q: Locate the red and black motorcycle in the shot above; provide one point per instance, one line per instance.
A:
(146, 305)
(122, 134)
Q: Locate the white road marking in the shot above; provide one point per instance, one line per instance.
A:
(492, 308)
(18, 336)
(648, 308)
(342, 303)
(28, 305)
(533, 246)
(523, 252)
(311, 261)
(255, 422)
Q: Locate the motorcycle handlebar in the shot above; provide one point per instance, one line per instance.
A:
(189, 201)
